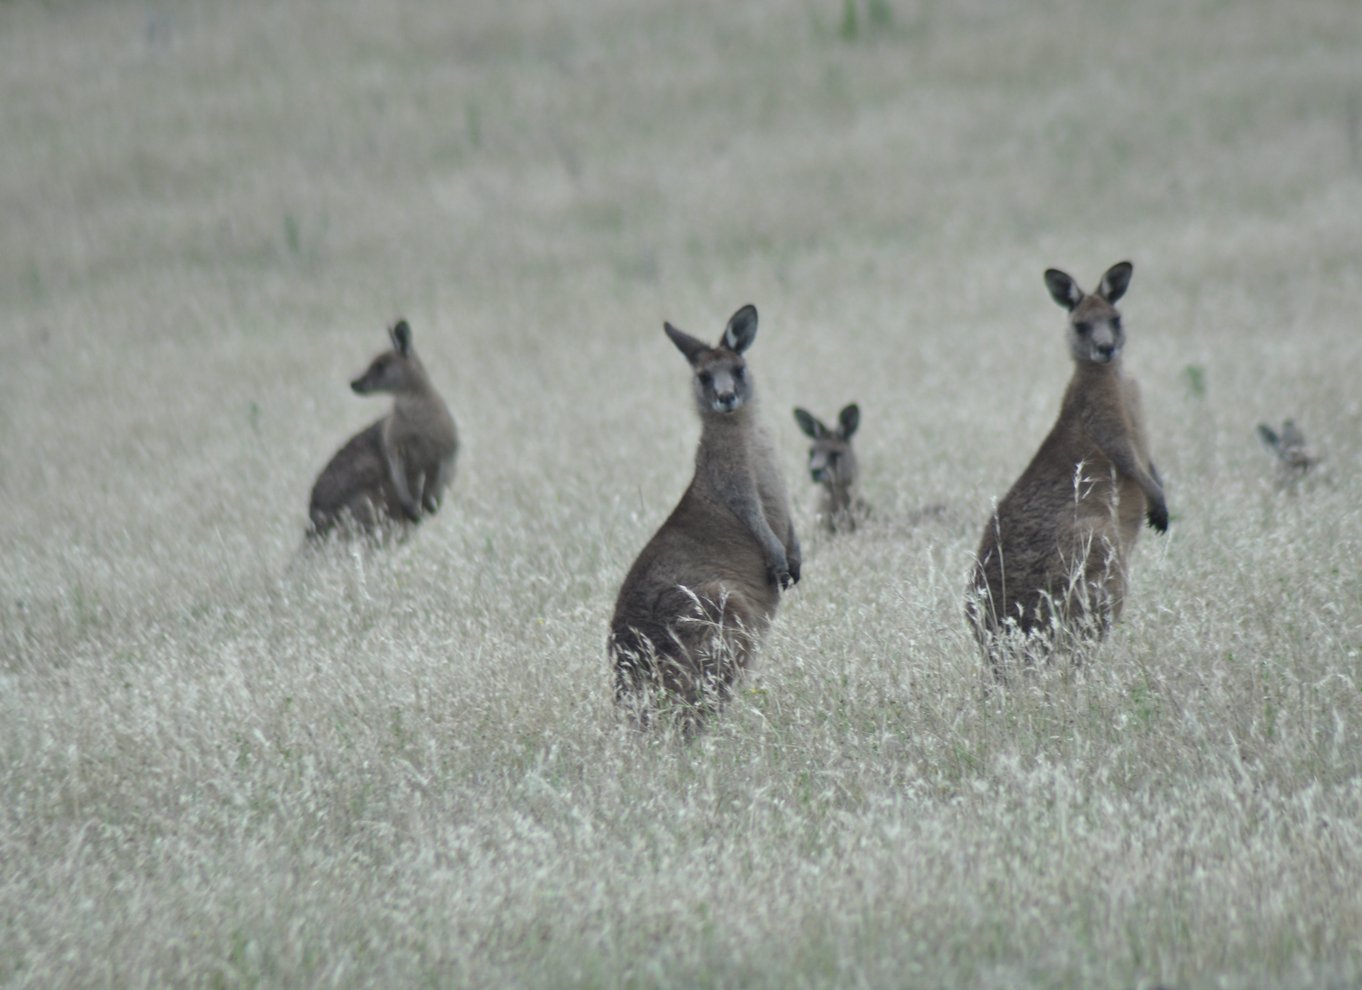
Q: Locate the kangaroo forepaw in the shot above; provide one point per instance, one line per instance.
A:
(1158, 516)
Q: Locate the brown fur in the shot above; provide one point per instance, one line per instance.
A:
(1053, 558)
(832, 465)
(395, 470)
(705, 588)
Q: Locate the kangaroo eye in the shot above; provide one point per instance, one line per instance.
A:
(1083, 329)
(1116, 323)
(706, 379)
(739, 373)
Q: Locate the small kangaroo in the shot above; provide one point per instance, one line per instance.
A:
(832, 464)
(705, 588)
(1054, 553)
(1295, 459)
(396, 468)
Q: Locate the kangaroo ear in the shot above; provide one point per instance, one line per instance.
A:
(849, 419)
(1116, 281)
(400, 334)
(1063, 289)
(808, 423)
(1269, 436)
(741, 329)
(685, 343)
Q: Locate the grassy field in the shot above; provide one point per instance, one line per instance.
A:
(401, 768)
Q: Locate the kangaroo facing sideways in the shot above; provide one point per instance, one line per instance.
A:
(1053, 558)
(832, 464)
(396, 469)
(705, 588)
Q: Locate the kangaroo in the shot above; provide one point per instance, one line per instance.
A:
(1054, 553)
(1295, 459)
(397, 468)
(705, 588)
(832, 464)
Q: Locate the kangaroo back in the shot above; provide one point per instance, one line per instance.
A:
(832, 466)
(396, 469)
(352, 489)
(698, 598)
(1053, 558)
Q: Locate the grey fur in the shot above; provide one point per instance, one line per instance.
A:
(1053, 558)
(396, 469)
(704, 589)
(832, 465)
(1295, 459)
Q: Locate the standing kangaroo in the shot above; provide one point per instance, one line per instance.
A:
(1053, 556)
(396, 468)
(705, 588)
(832, 464)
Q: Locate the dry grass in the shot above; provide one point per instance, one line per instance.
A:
(404, 768)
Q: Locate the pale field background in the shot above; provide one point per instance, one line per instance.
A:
(405, 768)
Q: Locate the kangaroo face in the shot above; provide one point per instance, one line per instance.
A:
(391, 371)
(832, 462)
(721, 379)
(384, 374)
(1095, 332)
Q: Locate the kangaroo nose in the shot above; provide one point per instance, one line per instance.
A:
(357, 386)
(726, 400)
(1106, 351)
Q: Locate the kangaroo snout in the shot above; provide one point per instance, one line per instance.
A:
(820, 469)
(358, 386)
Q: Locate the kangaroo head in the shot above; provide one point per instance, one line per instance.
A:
(832, 462)
(721, 380)
(395, 370)
(1095, 332)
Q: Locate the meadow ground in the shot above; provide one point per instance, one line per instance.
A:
(404, 767)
